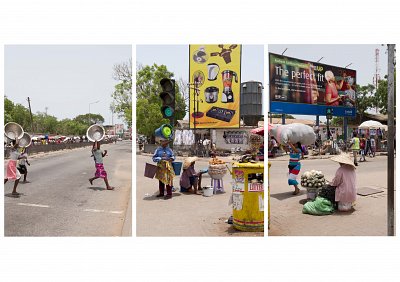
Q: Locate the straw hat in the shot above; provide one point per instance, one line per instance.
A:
(344, 159)
(188, 161)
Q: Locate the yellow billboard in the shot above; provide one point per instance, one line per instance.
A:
(214, 72)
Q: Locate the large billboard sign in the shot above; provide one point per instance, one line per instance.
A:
(309, 88)
(214, 75)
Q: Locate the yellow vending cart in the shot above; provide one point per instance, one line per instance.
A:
(248, 196)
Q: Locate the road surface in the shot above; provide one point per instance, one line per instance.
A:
(185, 214)
(368, 218)
(59, 200)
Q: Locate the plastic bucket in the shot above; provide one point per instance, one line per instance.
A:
(208, 191)
(177, 167)
(150, 170)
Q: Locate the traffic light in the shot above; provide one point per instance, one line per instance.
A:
(168, 99)
(329, 113)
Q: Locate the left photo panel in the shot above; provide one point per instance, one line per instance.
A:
(67, 140)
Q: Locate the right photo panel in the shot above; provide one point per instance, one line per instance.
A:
(328, 136)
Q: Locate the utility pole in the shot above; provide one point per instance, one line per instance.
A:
(390, 141)
(30, 111)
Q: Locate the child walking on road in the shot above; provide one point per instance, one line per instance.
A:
(12, 171)
(98, 159)
(22, 164)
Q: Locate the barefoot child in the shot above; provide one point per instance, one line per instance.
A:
(22, 163)
(12, 171)
(98, 159)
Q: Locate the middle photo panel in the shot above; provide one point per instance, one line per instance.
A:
(200, 140)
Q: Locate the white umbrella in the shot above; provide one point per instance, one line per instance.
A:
(371, 124)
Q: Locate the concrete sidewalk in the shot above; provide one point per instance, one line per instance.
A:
(368, 218)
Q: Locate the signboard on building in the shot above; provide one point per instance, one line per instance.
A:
(214, 75)
(119, 129)
(309, 88)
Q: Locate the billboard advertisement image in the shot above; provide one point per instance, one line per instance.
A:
(214, 75)
(303, 87)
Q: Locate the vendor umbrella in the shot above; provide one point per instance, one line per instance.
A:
(371, 124)
(258, 131)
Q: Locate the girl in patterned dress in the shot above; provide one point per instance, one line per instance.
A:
(296, 153)
(12, 171)
(98, 159)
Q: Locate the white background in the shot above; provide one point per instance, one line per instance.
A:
(197, 259)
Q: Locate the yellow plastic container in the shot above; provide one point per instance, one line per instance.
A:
(247, 197)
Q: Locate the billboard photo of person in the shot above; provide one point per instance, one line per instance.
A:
(332, 97)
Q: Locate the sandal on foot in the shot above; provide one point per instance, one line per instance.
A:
(159, 195)
(15, 194)
(91, 182)
(295, 192)
(111, 188)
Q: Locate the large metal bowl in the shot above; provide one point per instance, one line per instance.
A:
(13, 131)
(25, 141)
(95, 133)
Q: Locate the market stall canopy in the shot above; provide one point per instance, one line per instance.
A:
(258, 131)
(372, 124)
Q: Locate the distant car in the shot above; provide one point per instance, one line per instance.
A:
(119, 139)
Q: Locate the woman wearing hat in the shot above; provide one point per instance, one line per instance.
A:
(345, 182)
(189, 176)
(165, 174)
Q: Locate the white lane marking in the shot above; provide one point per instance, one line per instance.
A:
(33, 205)
(94, 210)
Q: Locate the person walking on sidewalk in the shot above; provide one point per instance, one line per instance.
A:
(98, 156)
(165, 174)
(363, 142)
(296, 153)
(355, 147)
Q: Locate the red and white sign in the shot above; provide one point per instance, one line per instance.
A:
(256, 187)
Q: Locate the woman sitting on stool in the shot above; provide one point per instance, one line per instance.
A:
(190, 178)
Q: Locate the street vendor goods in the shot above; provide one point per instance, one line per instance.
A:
(320, 206)
(293, 133)
(313, 179)
(216, 161)
(217, 171)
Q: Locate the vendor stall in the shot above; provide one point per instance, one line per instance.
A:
(248, 196)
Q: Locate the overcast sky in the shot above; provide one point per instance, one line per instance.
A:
(361, 57)
(64, 78)
(176, 58)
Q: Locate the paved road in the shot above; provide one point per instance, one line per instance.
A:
(185, 214)
(60, 201)
(369, 217)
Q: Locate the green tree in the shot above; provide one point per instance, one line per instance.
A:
(94, 118)
(148, 114)
(365, 98)
(45, 123)
(16, 113)
(122, 95)
(71, 127)
(8, 109)
(382, 94)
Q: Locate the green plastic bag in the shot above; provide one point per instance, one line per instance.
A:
(320, 206)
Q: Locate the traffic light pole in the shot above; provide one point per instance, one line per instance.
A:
(390, 141)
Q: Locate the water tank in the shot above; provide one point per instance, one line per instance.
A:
(251, 102)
